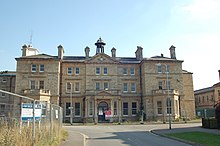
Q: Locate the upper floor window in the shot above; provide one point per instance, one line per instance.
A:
(77, 88)
(125, 87)
(133, 87)
(33, 68)
(33, 84)
(159, 68)
(97, 71)
(132, 72)
(41, 84)
(160, 85)
(69, 71)
(77, 71)
(125, 71)
(167, 68)
(105, 71)
(3, 94)
(4, 80)
(68, 87)
(97, 86)
(41, 67)
(106, 85)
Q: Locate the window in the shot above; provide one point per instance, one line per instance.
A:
(105, 72)
(168, 85)
(90, 108)
(133, 87)
(105, 85)
(132, 71)
(97, 71)
(41, 67)
(3, 94)
(125, 71)
(125, 87)
(125, 108)
(33, 68)
(68, 108)
(4, 80)
(160, 85)
(32, 84)
(77, 88)
(218, 92)
(134, 108)
(159, 107)
(68, 87)
(167, 68)
(159, 69)
(41, 86)
(169, 111)
(69, 71)
(77, 71)
(77, 109)
(115, 107)
(97, 86)
(2, 108)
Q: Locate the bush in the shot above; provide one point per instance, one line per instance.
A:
(209, 123)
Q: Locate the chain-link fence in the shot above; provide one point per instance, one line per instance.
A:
(25, 121)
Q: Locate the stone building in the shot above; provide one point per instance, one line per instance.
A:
(7, 83)
(206, 99)
(102, 87)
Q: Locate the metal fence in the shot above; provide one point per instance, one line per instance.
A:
(37, 120)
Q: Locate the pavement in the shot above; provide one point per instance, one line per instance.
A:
(79, 139)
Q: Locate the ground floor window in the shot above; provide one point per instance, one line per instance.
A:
(134, 108)
(169, 111)
(77, 109)
(125, 108)
(159, 107)
(115, 108)
(90, 108)
(67, 108)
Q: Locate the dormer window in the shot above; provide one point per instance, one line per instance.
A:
(33, 68)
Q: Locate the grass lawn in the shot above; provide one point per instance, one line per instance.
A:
(206, 139)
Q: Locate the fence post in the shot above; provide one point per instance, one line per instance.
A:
(33, 125)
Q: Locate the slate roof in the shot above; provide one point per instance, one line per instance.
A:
(208, 89)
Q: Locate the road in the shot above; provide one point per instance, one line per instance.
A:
(127, 135)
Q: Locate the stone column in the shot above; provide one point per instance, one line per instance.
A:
(119, 110)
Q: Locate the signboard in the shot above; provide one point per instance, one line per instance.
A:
(27, 111)
(108, 113)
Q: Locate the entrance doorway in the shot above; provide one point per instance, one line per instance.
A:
(102, 107)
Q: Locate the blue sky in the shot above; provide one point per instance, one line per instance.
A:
(192, 26)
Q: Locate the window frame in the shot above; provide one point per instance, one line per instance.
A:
(132, 71)
(40, 84)
(125, 71)
(33, 68)
(105, 71)
(125, 86)
(41, 68)
(125, 109)
(98, 71)
(68, 87)
(159, 108)
(77, 71)
(69, 70)
(133, 86)
(97, 84)
(77, 109)
(76, 87)
(67, 109)
(134, 108)
(106, 87)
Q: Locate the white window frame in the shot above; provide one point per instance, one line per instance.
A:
(125, 85)
(68, 84)
(125, 71)
(33, 68)
(99, 85)
(133, 85)
(40, 84)
(134, 108)
(69, 70)
(41, 68)
(132, 71)
(79, 109)
(105, 71)
(159, 69)
(106, 85)
(33, 84)
(77, 71)
(76, 87)
(98, 71)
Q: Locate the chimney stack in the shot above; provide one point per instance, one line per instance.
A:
(60, 52)
(24, 50)
(138, 53)
(87, 50)
(113, 52)
(172, 52)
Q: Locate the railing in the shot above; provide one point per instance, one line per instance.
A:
(164, 91)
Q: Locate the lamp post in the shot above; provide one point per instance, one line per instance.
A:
(71, 104)
(168, 96)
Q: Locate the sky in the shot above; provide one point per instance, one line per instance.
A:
(192, 26)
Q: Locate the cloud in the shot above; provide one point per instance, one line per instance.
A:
(202, 9)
